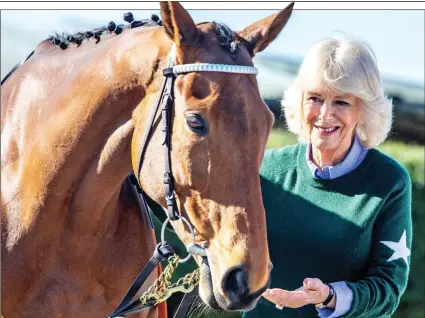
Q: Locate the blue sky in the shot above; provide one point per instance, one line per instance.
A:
(396, 36)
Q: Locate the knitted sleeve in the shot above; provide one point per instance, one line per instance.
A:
(378, 293)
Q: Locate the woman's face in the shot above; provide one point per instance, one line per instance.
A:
(330, 119)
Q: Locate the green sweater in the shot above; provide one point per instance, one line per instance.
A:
(352, 228)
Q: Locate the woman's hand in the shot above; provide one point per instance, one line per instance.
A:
(313, 291)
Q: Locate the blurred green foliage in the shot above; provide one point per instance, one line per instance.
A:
(411, 156)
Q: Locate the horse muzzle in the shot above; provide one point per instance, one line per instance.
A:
(234, 285)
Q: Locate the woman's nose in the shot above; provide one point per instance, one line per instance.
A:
(326, 110)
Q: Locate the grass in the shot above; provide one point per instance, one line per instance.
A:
(279, 138)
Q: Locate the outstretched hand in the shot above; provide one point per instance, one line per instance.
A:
(313, 291)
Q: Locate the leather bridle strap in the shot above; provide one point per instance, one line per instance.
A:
(148, 131)
(166, 100)
(172, 209)
(127, 305)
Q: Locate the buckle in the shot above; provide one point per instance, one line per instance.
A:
(167, 177)
(168, 71)
(163, 251)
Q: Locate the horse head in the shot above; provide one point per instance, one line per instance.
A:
(219, 131)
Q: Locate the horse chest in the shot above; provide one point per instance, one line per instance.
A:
(69, 294)
(70, 271)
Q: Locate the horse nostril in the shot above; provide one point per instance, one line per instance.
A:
(235, 283)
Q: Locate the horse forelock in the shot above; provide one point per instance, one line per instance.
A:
(226, 36)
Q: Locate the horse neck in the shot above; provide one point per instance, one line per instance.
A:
(110, 160)
(90, 134)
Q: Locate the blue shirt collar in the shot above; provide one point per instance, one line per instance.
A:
(351, 161)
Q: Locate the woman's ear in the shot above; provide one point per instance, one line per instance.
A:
(260, 34)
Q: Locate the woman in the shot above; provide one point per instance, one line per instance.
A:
(338, 210)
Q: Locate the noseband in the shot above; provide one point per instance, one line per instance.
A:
(163, 250)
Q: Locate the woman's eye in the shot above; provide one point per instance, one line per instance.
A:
(341, 103)
(314, 99)
(196, 124)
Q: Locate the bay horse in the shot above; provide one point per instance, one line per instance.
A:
(73, 118)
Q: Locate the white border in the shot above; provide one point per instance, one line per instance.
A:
(208, 5)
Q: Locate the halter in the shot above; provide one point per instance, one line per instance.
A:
(165, 99)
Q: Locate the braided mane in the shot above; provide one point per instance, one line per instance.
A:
(224, 33)
(64, 39)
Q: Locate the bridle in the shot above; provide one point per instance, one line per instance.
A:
(164, 251)
(165, 100)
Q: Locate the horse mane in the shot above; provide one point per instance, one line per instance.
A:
(224, 33)
(64, 39)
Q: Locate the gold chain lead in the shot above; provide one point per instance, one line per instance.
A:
(162, 288)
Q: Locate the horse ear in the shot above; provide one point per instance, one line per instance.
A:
(178, 23)
(261, 33)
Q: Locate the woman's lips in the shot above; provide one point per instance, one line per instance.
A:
(326, 131)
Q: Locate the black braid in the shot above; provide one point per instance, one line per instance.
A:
(79, 37)
(60, 39)
(154, 20)
(64, 39)
(225, 34)
(226, 38)
(112, 27)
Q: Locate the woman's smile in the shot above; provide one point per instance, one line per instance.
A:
(326, 131)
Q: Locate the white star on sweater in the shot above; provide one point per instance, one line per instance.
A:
(400, 248)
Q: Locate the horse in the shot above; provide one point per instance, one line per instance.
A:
(73, 119)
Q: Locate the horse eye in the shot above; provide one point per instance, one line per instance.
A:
(196, 124)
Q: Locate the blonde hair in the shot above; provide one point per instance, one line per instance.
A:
(350, 67)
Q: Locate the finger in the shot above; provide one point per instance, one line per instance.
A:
(291, 299)
(269, 295)
(295, 299)
(313, 283)
(275, 295)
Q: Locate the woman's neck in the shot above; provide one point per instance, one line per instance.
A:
(322, 158)
(327, 157)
